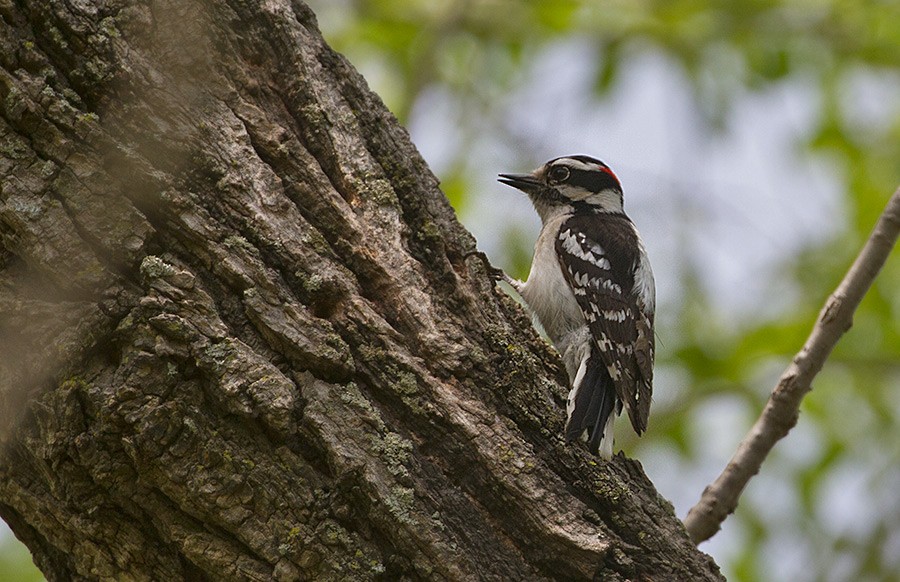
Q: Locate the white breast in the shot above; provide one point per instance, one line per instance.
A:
(546, 290)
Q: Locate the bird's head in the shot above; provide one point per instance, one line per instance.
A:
(570, 184)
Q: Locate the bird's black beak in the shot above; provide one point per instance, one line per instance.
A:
(525, 182)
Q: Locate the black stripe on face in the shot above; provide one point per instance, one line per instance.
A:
(594, 180)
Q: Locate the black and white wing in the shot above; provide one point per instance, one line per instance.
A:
(601, 274)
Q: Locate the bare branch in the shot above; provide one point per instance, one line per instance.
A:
(780, 414)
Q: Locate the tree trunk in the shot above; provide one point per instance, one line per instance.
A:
(240, 336)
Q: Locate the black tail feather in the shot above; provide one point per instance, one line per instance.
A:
(593, 404)
(606, 407)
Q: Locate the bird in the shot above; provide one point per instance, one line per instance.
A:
(591, 289)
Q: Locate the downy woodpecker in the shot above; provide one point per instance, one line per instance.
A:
(592, 290)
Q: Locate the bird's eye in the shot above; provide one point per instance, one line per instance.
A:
(559, 174)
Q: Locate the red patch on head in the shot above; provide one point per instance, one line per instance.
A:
(606, 169)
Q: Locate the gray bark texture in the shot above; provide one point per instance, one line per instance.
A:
(240, 338)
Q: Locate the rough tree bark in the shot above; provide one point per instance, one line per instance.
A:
(240, 338)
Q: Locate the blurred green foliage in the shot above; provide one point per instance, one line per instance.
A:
(15, 561)
(840, 469)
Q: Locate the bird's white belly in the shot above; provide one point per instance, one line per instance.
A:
(549, 295)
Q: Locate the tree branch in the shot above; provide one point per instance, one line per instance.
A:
(780, 414)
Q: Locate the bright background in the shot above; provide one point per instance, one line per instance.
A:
(757, 142)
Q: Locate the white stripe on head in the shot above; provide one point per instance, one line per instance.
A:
(577, 164)
(608, 200)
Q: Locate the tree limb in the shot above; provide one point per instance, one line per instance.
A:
(780, 414)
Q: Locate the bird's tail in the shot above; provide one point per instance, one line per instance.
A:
(590, 406)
